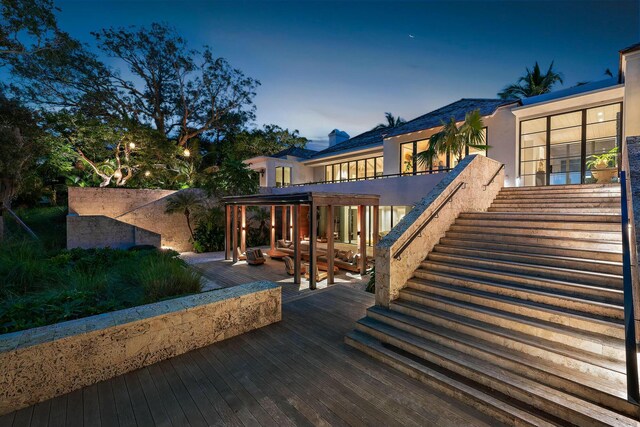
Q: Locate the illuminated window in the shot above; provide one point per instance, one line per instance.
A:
(283, 176)
(354, 170)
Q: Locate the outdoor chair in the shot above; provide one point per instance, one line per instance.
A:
(255, 257)
(320, 275)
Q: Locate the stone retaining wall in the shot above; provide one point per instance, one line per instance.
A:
(41, 363)
(88, 230)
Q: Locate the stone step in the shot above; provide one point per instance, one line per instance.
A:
(532, 224)
(597, 201)
(582, 264)
(556, 209)
(570, 187)
(546, 399)
(593, 245)
(467, 276)
(449, 284)
(520, 353)
(561, 203)
(583, 321)
(572, 273)
(558, 195)
(450, 385)
(611, 236)
(523, 216)
(476, 242)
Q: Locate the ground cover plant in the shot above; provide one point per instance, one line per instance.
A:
(42, 284)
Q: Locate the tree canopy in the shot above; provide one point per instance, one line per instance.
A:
(534, 82)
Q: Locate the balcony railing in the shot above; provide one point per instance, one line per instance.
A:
(393, 175)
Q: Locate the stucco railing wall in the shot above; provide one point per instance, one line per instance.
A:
(474, 195)
(41, 363)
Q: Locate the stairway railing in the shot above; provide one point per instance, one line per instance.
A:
(629, 257)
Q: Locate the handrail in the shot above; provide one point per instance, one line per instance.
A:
(434, 214)
(391, 175)
(633, 388)
(493, 178)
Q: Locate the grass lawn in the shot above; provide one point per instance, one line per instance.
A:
(42, 283)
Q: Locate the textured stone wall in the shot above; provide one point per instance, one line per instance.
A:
(474, 171)
(42, 363)
(142, 208)
(92, 231)
(111, 202)
(631, 165)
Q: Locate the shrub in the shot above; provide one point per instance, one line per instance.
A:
(166, 276)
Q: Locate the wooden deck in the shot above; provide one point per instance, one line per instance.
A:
(295, 372)
(221, 273)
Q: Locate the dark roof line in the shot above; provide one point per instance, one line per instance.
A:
(303, 153)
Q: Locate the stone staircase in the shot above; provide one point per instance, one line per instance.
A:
(518, 311)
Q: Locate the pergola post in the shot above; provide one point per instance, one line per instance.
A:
(313, 241)
(243, 229)
(272, 229)
(376, 227)
(284, 223)
(296, 244)
(330, 255)
(234, 236)
(363, 239)
(227, 232)
(290, 230)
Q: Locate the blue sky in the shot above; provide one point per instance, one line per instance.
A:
(326, 65)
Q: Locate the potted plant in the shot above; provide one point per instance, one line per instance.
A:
(602, 166)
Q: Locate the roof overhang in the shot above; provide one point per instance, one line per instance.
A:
(344, 154)
(579, 100)
(306, 198)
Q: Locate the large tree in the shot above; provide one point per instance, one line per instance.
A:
(27, 27)
(533, 83)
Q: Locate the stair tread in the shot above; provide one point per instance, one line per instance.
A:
(479, 254)
(546, 238)
(555, 347)
(469, 271)
(520, 248)
(540, 323)
(520, 302)
(527, 265)
(513, 381)
(375, 345)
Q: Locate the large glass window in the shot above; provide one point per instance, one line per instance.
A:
(567, 148)
(354, 170)
(283, 176)
(409, 164)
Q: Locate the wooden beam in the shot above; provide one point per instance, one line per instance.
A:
(284, 223)
(243, 229)
(234, 245)
(330, 257)
(296, 244)
(363, 238)
(313, 241)
(272, 228)
(290, 230)
(376, 227)
(227, 232)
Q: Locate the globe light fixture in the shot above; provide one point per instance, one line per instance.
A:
(132, 145)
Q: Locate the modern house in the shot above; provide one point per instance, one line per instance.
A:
(543, 140)
(509, 280)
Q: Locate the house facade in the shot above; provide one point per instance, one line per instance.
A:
(549, 139)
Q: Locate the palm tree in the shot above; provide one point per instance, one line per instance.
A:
(456, 139)
(188, 203)
(392, 122)
(532, 83)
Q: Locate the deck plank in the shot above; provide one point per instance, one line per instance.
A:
(6, 420)
(295, 372)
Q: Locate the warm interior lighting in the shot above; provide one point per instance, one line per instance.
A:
(186, 152)
(132, 145)
(601, 116)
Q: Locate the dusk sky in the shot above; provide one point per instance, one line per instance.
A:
(326, 65)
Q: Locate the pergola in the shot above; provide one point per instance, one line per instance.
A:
(235, 209)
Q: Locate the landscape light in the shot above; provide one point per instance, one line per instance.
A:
(117, 174)
(147, 173)
(132, 145)
(186, 152)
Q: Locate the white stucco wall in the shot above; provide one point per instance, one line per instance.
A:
(299, 172)
(398, 191)
(631, 111)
